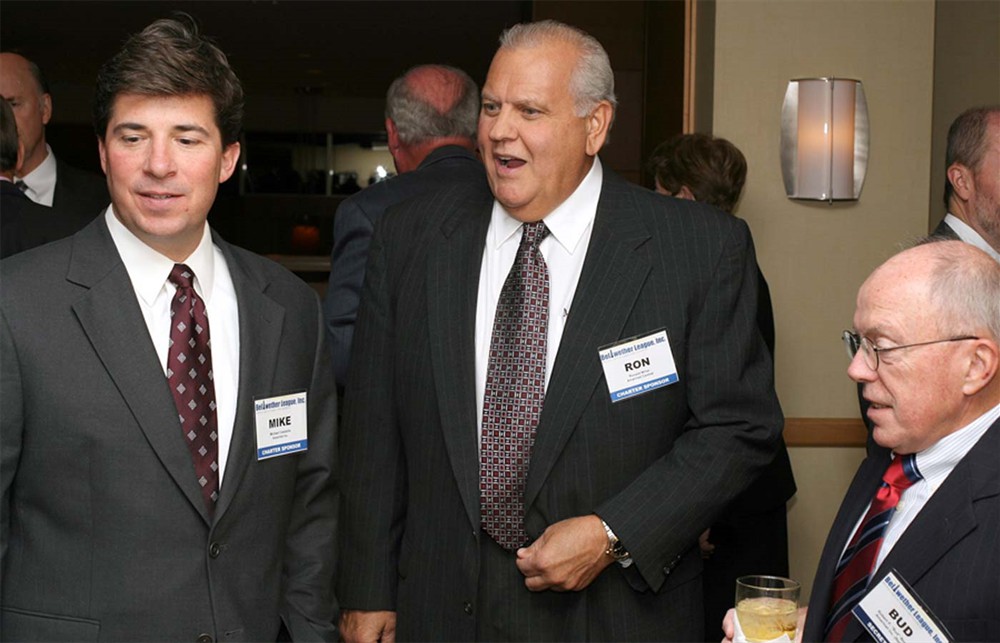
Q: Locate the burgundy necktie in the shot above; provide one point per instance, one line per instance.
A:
(189, 372)
(515, 390)
(858, 561)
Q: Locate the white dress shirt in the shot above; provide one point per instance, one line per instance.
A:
(935, 464)
(148, 270)
(570, 226)
(40, 183)
(970, 236)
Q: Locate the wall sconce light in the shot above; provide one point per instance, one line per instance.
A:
(824, 139)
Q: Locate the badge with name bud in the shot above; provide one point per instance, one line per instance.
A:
(638, 365)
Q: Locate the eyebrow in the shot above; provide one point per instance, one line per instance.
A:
(139, 127)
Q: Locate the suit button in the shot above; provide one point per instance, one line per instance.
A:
(467, 606)
(204, 638)
(213, 550)
(667, 570)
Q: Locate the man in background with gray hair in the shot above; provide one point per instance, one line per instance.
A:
(430, 116)
(558, 384)
(972, 187)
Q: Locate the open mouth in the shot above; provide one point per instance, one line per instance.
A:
(510, 162)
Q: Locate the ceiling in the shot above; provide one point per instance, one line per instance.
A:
(278, 48)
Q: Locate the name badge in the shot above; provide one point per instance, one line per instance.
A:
(281, 425)
(638, 365)
(893, 613)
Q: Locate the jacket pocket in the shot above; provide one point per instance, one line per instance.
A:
(26, 625)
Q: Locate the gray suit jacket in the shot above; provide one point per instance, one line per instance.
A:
(352, 234)
(950, 553)
(103, 531)
(659, 467)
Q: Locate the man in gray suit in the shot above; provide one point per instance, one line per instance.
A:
(168, 429)
(972, 187)
(558, 384)
(430, 117)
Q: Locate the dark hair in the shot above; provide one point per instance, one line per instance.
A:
(8, 138)
(170, 58)
(967, 142)
(418, 119)
(712, 168)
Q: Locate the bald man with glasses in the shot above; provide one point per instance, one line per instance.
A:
(921, 519)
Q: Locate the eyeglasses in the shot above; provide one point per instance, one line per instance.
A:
(853, 342)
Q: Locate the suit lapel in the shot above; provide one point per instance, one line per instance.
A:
(948, 516)
(261, 321)
(457, 251)
(111, 318)
(614, 271)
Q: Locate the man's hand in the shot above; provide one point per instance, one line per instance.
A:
(704, 545)
(357, 626)
(567, 557)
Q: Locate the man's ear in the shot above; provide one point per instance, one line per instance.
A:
(45, 102)
(982, 366)
(598, 126)
(961, 179)
(393, 132)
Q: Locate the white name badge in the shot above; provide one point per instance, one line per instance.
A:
(281, 425)
(638, 365)
(892, 613)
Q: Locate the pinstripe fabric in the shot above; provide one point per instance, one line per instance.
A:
(658, 468)
(950, 553)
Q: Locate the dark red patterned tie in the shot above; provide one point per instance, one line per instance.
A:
(189, 372)
(858, 560)
(515, 390)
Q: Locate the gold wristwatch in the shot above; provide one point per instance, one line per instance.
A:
(615, 548)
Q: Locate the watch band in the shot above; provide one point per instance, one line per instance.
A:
(615, 548)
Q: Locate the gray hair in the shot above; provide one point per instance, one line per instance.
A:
(967, 141)
(965, 287)
(592, 81)
(418, 120)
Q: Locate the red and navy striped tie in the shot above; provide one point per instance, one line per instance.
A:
(858, 561)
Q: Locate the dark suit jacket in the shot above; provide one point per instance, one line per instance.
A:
(352, 233)
(659, 467)
(944, 230)
(950, 553)
(80, 195)
(24, 224)
(103, 531)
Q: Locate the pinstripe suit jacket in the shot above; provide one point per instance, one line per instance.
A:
(950, 553)
(658, 468)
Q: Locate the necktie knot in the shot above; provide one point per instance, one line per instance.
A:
(533, 234)
(181, 276)
(902, 473)
(21, 185)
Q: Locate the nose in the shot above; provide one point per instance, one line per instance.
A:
(160, 159)
(501, 126)
(859, 371)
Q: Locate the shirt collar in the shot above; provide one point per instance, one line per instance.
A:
(42, 179)
(567, 223)
(970, 236)
(148, 269)
(938, 460)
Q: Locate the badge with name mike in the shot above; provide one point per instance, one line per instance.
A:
(281, 425)
(638, 365)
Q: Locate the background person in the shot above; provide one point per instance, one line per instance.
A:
(751, 537)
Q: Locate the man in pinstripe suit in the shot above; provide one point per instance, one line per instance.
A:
(615, 492)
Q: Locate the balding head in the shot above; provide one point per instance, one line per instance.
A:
(427, 107)
(932, 314)
(23, 86)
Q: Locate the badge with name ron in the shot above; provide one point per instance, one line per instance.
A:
(638, 365)
(281, 425)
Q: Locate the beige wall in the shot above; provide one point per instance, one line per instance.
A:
(814, 255)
